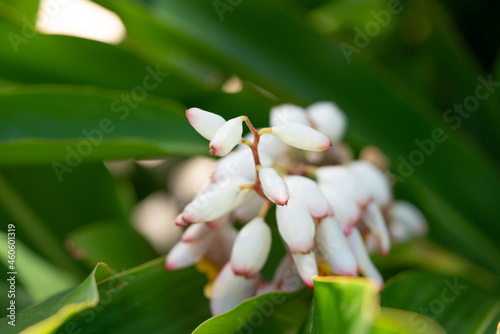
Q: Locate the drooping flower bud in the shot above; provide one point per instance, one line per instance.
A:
(296, 226)
(251, 248)
(179, 220)
(204, 122)
(375, 181)
(288, 113)
(301, 136)
(345, 208)
(286, 277)
(374, 220)
(273, 185)
(307, 267)
(307, 192)
(406, 222)
(328, 119)
(229, 290)
(185, 254)
(211, 205)
(227, 137)
(366, 265)
(332, 245)
(344, 179)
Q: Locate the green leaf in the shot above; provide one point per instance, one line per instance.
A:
(394, 321)
(40, 278)
(342, 305)
(147, 299)
(120, 247)
(91, 125)
(443, 298)
(49, 315)
(276, 312)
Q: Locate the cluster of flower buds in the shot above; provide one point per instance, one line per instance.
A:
(331, 210)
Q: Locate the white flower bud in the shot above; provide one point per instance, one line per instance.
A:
(273, 185)
(366, 265)
(197, 231)
(296, 226)
(222, 243)
(212, 204)
(332, 245)
(286, 277)
(376, 182)
(271, 148)
(179, 220)
(344, 179)
(185, 254)
(406, 222)
(204, 122)
(251, 248)
(288, 113)
(301, 136)
(227, 137)
(345, 208)
(307, 267)
(374, 220)
(328, 119)
(229, 290)
(307, 192)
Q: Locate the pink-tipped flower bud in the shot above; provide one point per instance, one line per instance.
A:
(185, 254)
(332, 245)
(251, 248)
(328, 119)
(302, 136)
(375, 181)
(345, 208)
(406, 222)
(307, 192)
(366, 265)
(227, 137)
(204, 122)
(296, 226)
(179, 220)
(229, 290)
(273, 185)
(288, 113)
(307, 267)
(374, 220)
(211, 205)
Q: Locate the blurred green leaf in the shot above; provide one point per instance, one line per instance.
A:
(49, 315)
(276, 312)
(90, 124)
(445, 299)
(119, 246)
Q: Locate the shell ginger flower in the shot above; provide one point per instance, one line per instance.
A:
(330, 209)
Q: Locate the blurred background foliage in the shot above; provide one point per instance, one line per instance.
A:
(109, 204)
